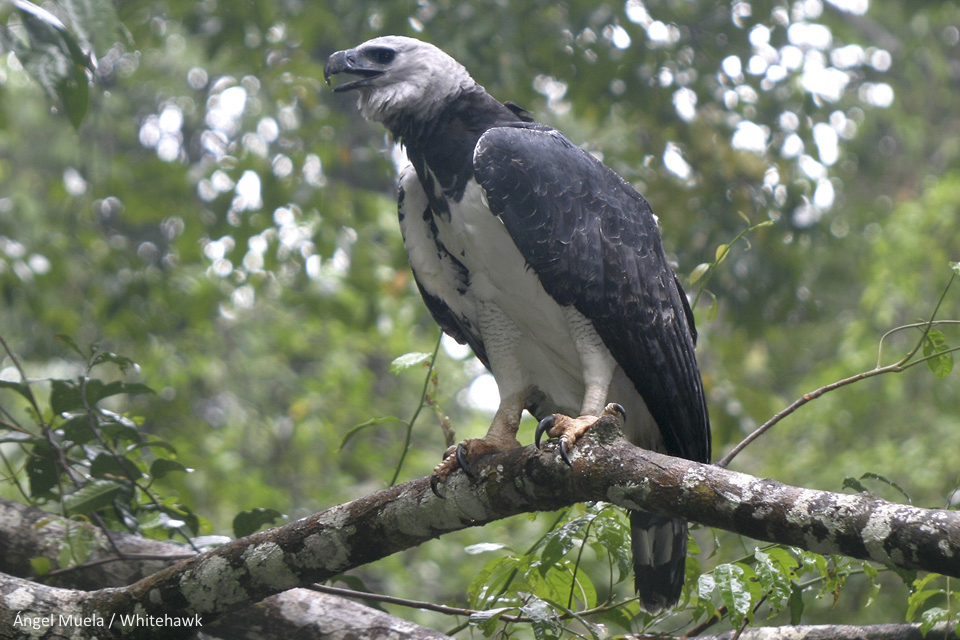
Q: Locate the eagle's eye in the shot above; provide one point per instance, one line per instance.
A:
(381, 55)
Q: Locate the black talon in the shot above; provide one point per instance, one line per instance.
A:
(545, 425)
(434, 486)
(462, 460)
(619, 409)
(563, 454)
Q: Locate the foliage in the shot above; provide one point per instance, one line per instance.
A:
(88, 462)
(205, 206)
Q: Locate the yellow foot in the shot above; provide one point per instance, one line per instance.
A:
(569, 430)
(463, 454)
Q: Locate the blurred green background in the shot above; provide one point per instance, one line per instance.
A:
(226, 221)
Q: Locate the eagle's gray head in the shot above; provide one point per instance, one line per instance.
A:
(399, 77)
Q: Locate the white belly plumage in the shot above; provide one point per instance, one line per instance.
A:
(540, 346)
(546, 353)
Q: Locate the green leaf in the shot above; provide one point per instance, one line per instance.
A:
(54, 59)
(918, 584)
(70, 342)
(64, 396)
(163, 466)
(97, 390)
(916, 600)
(487, 620)
(714, 309)
(74, 92)
(493, 577)
(157, 444)
(931, 617)
(76, 546)
(560, 541)
(354, 430)
(543, 618)
(935, 343)
(871, 572)
(20, 387)
(42, 470)
(488, 614)
(123, 362)
(247, 522)
(179, 511)
(776, 577)
(796, 604)
(856, 485)
(121, 432)
(906, 575)
(736, 591)
(19, 437)
(584, 590)
(108, 465)
(409, 360)
(698, 272)
(94, 495)
(878, 477)
(721, 253)
(613, 534)
(68, 395)
(706, 585)
(40, 565)
(94, 21)
(78, 430)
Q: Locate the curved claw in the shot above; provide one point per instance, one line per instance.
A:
(545, 425)
(618, 409)
(462, 460)
(564, 455)
(434, 486)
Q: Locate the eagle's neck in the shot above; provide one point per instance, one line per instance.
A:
(442, 147)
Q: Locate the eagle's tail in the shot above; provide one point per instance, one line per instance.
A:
(659, 557)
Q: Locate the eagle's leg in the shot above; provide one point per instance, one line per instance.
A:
(501, 337)
(501, 436)
(598, 367)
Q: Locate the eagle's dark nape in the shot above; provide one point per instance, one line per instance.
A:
(549, 265)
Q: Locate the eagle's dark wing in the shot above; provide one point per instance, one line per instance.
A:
(594, 243)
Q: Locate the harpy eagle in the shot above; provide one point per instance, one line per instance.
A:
(549, 265)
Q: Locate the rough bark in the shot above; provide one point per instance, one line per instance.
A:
(604, 467)
(27, 532)
(834, 632)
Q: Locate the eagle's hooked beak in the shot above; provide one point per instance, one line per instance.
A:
(349, 61)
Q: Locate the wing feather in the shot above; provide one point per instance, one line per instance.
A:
(594, 243)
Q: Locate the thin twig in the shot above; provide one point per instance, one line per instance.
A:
(129, 557)
(799, 402)
(901, 365)
(448, 610)
(576, 565)
(416, 414)
(405, 602)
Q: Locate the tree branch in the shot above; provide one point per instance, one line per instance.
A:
(27, 532)
(604, 467)
(941, 631)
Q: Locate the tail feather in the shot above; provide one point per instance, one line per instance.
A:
(659, 545)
